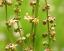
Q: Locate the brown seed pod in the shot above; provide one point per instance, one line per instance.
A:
(51, 21)
(45, 35)
(17, 10)
(44, 22)
(33, 2)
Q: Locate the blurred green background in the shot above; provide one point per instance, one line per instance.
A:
(56, 9)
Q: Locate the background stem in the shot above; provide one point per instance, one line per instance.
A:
(35, 26)
(48, 27)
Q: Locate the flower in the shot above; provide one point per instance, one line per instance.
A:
(44, 22)
(35, 21)
(28, 17)
(9, 2)
(11, 46)
(11, 22)
(51, 19)
(1, 2)
(33, 2)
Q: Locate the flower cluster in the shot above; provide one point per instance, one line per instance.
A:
(50, 34)
(28, 49)
(32, 2)
(11, 22)
(8, 2)
(10, 46)
(31, 19)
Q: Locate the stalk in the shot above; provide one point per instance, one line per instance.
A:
(36, 15)
(6, 10)
(32, 31)
(48, 26)
(17, 16)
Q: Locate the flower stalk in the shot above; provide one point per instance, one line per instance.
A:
(48, 26)
(34, 26)
(50, 21)
(6, 9)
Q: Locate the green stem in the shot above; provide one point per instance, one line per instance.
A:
(36, 8)
(32, 26)
(35, 26)
(18, 22)
(6, 10)
(48, 26)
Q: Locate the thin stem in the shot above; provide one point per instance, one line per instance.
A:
(18, 25)
(17, 16)
(48, 27)
(35, 26)
(6, 10)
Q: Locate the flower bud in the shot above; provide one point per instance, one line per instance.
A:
(33, 2)
(35, 21)
(44, 22)
(52, 28)
(52, 33)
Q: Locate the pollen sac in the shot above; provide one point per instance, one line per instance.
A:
(33, 2)
(44, 22)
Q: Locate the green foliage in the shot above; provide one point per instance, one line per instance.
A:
(56, 10)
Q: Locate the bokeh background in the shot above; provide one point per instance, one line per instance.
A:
(56, 9)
